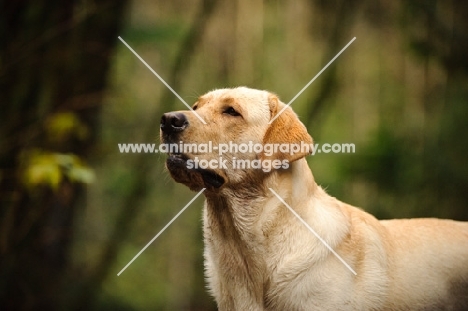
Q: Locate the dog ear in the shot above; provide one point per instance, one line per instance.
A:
(286, 129)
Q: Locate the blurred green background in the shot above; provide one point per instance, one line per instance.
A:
(74, 210)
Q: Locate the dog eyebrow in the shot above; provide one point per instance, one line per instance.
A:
(201, 101)
(229, 100)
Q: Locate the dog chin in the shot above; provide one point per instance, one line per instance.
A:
(194, 178)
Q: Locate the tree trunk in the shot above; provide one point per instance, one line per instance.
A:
(54, 58)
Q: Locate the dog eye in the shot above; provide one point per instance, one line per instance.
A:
(230, 111)
(195, 107)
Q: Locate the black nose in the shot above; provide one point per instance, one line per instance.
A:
(172, 122)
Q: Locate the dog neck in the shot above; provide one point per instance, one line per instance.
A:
(239, 210)
(239, 219)
(241, 224)
(241, 206)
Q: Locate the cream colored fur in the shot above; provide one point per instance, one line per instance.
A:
(258, 256)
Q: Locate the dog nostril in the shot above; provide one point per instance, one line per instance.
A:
(173, 122)
(179, 120)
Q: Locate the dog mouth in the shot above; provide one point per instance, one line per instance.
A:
(178, 157)
(211, 179)
(183, 170)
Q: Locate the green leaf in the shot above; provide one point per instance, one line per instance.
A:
(47, 168)
(42, 169)
(65, 125)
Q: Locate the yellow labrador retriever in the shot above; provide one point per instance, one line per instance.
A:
(259, 256)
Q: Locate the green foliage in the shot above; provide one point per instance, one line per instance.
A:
(385, 152)
(49, 169)
(62, 126)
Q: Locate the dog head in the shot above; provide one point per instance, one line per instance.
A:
(237, 144)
